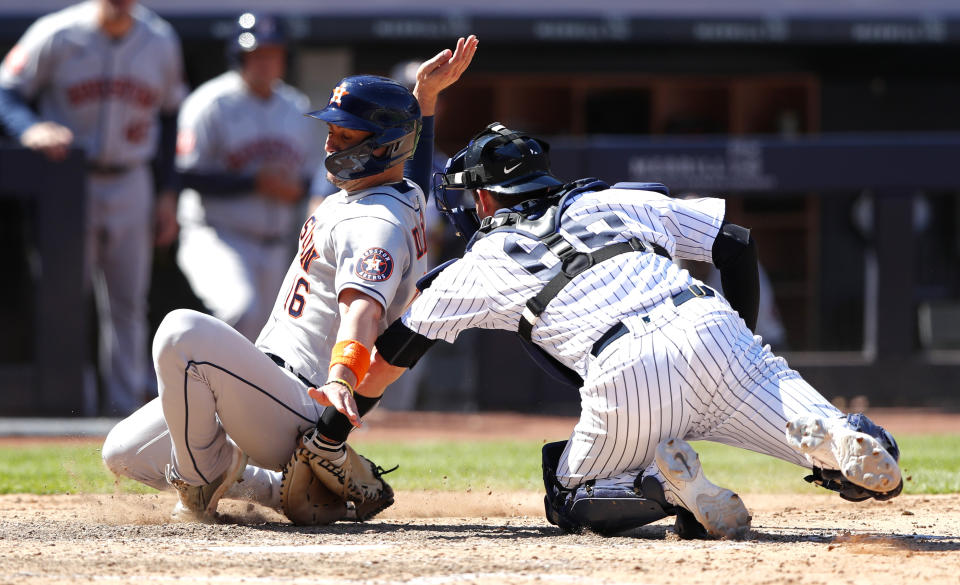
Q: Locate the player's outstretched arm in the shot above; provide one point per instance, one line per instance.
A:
(359, 317)
(442, 71)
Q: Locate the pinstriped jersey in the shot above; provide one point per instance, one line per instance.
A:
(372, 241)
(490, 285)
(107, 91)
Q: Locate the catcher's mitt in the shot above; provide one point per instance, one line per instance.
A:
(357, 479)
(303, 498)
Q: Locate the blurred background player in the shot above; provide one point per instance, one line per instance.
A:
(107, 76)
(245, 153)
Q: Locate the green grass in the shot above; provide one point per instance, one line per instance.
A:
(931, 461)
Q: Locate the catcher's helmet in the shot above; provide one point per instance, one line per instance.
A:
(253, 31)
(372, 104)
(496, 159)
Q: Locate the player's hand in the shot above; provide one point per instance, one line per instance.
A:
(441, 72)
(279, 184)
(50, 138)
(165, 228)
(337, 396)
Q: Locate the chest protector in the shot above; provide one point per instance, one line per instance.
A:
(541, 219)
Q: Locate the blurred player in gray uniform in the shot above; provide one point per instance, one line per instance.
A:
(108, 78)
(585, 273)
(224, 399)
(245, 153)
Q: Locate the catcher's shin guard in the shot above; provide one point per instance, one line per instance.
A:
(604, 510)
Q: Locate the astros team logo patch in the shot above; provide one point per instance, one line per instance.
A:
(375, 265)
(338, 94)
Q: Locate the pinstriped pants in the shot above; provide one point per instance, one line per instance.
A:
(694, 372)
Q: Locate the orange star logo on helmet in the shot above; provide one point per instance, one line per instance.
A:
(338, 93)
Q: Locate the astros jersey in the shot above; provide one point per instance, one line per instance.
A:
(489, 287)
(223, 127)
(108, 92)
(371, 241)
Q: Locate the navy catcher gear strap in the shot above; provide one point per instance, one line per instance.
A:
(735, 255)
(551, 365)
(573, 263)
(401, 346)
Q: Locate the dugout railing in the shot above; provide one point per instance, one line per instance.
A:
(45, 328)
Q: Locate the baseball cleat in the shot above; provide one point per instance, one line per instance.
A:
(198, 503)
(720, 511)
(829, 443)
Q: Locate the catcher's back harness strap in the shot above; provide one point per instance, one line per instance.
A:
(573, 263)
(546, 228)
(402, 347)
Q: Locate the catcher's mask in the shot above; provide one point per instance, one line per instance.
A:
(372, 104)
(496, 159)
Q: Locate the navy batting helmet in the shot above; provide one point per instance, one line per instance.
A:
(496, 159)
(253, 31)
(372, 104)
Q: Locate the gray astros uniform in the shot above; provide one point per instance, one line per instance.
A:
(233, 247)
(690, 369)
(109, 93)
(221, 384)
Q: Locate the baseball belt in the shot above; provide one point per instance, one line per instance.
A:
(619, 329)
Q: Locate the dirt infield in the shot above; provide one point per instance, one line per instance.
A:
(479, 538)
(438, 539)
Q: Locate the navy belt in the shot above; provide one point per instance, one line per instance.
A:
(279, 361)
(612, 334)
(694, 291)
(619, 330)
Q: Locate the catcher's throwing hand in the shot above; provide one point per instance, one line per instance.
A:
(338, 396)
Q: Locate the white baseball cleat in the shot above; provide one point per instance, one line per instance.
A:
(829, 443)
(198, 503)
(720, 510)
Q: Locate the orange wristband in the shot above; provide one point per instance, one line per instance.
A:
(352, 354)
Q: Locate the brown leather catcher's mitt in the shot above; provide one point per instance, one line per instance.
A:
(303, 497)
(357, 480)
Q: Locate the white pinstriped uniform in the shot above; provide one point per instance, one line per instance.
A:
(693, 371)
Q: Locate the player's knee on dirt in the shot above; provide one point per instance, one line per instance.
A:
(116, 454)
(604, 510)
